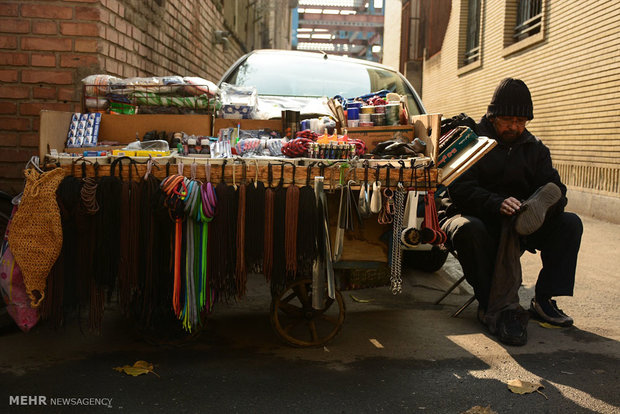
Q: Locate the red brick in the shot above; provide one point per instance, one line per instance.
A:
(74, 61)
(14, 92)
(35, 108)
(11, 123)
(43, 60)
(79, 29)
(8, 42)
(13, 59)
(86, 45)
(47, 11)
(8, 75)
(8, 9)
(29, 140)
(8, 108)
(47, 76)
(12, 170)
(8, 139)
(44, 93)
(44, 27)
(14, 26)
(46, 43)
(66, 94)
(87, 13)
(13, 155)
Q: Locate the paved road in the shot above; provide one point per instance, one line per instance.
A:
(429, 362)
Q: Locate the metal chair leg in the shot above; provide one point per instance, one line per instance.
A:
(465, 305)
(454, 286)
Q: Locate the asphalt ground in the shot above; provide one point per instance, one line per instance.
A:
(427, 361)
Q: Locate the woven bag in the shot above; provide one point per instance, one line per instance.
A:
(36, 233)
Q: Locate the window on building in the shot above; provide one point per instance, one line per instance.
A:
(472, 43)
(529, 19)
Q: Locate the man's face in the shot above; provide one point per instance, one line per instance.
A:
(509, 128)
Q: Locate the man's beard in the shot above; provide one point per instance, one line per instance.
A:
(509, 136)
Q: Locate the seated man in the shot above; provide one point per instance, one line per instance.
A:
(510, 201)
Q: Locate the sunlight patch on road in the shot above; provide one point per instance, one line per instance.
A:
(503, 367)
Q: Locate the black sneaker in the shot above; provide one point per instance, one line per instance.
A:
(533, 211)
(547, 310)
(512, 327)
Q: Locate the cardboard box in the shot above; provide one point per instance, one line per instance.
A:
(120, 128)
(247, 124)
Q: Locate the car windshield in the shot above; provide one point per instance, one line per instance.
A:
(311, 77)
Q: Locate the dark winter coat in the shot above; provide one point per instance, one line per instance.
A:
(508, 170)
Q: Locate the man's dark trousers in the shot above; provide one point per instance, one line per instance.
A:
(558, 240)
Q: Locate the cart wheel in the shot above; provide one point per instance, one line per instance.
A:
(298, 324)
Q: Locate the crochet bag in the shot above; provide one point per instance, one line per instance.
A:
(36, 233)
(13, 289)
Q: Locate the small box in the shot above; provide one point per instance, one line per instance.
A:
(154, 154)
(124, 153)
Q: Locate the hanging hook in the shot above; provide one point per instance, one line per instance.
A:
(223, 170)
(244, 172)
(256, 175)
(234, 176)
(193, 170)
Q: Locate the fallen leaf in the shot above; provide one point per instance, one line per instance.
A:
(525, 387)
(139, 368)
(480, 410)
(376, 343)
(360, 300)
(325, 348)
(548, 325)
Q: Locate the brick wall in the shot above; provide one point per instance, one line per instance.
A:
(47, 47)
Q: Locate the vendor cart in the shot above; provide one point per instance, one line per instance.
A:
(308, 309)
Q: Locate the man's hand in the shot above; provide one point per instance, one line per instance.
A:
(510, 206)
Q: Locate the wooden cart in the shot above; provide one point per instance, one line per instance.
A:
(295, 318)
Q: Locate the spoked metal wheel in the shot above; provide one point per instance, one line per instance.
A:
(297, 323)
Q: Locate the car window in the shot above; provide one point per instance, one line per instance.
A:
(311, 77)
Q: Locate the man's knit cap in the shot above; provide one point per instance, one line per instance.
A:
(511, 98)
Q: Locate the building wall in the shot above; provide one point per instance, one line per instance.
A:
(392, 34)
(46, 48)
(573, 73)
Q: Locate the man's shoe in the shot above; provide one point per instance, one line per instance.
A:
(512, 327)
(547, 310)
(533, 211)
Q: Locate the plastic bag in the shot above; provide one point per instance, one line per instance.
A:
(13, 289)
(238, 102)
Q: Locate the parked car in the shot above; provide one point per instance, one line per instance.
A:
(286, 79)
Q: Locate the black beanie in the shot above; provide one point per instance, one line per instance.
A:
(511, 98)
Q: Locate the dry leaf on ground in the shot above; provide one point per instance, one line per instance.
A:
(480, 410)
(524, 387)
(356, 299)
(139, 368)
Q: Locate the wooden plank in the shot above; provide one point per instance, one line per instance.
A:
(125, 128)
(273, 124)
(332, 175)
(53, 131)
(428, 129)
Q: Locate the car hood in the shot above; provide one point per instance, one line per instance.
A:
(270, 107)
